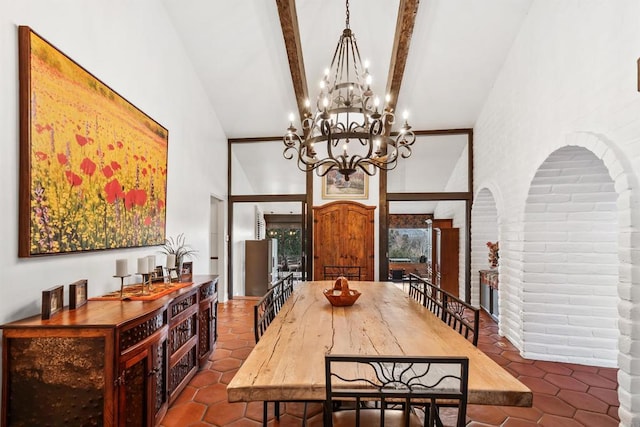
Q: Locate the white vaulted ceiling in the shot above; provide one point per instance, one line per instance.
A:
(238, 51)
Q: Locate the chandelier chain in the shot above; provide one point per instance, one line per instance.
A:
(347, 20)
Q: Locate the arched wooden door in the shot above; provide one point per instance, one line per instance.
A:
(343, 234)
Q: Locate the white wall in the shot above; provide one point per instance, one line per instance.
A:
(570, 79)
(132, 47)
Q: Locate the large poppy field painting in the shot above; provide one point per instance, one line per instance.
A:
(93, 167)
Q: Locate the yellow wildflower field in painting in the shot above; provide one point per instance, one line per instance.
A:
(98, 165)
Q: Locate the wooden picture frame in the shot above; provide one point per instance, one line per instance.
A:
(334, 186)
(187, 270)
(158, 274)
(78, 294)
(91, 163)
(52, 301)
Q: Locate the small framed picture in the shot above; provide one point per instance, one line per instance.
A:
(335, 186)
(187, 270)
(77, 294)
(158, 274)
(52, 301)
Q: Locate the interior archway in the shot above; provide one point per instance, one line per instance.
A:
(570, 261)
(484, 228)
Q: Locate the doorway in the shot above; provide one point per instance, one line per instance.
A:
(216, 243)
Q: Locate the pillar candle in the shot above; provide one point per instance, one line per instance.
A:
(122, 267)
(143, 265)
(171, 260)
(151, 259)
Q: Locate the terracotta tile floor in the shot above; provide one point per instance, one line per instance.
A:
(564, 394)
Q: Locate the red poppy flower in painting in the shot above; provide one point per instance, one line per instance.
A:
(111, 147)
(143, 158)
(160, 204)
(62, 159)
(81, 140)
(147, 221)
(119, 144)
(144, 171)
(88, 166)
(135, 197)
(107, 171)
(73, 179)
(41, 156)
(115, 166)
(113, 190)
(135, 157)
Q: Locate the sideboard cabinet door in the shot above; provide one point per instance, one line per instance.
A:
(208, 312)
(44, 383)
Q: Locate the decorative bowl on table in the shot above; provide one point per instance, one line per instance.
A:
(340, 295)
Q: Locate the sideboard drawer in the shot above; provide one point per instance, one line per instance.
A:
(141, 331)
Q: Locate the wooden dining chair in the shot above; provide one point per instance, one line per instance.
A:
(406, 390)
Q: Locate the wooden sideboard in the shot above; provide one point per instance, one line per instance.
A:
(111, 363)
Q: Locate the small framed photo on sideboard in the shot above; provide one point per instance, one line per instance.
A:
(52, 301)
(187, 270)
(77, 294)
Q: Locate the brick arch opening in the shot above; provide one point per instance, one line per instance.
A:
(570, 261)
(484, 228)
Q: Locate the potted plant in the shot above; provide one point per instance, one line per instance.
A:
(179, 248)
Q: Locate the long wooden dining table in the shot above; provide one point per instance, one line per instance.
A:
(287, 364)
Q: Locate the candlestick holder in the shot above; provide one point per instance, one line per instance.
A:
(122, 283)
(171, 278)
(146, 283)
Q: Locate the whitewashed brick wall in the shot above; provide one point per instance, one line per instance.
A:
(569, 79)
(571, 261)
(484, 228)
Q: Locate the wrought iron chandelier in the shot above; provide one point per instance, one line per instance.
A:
(348, 131)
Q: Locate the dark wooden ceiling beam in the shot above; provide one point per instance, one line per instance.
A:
(407, 12)
(291, 34)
